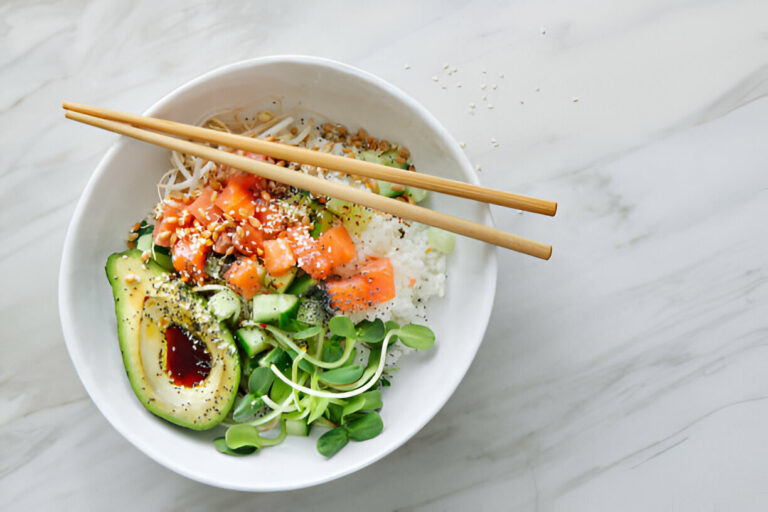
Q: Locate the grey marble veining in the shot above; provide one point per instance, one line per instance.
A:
(627, 373)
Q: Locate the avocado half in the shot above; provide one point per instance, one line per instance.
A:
(181, 362)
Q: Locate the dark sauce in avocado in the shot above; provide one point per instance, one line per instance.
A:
(187, 361)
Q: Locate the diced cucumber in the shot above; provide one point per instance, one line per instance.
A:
(225, 304)
(323, 221)
(253, 340)
(369, 155)
(296, 428)
(441, 240)
(387, 158)
(417, 194)
(310, 312)
(144, 242)
(161, 255)
(279, 284)
(301, 285)
(354, 217)
(338, 206)
(269, 308)
(388, 189)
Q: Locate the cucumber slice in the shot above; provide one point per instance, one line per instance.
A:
(296, 428)
(279, 284)
(417, 194)
(253, 340)
(354, 217)
(387, 158)
(301, 285)
(144, 242)
(388, 189)
(338, 206)
(311, 312)
(270, 308)
(225, 304)
(441, 240)
(323, 221)
(369, 155)
(161, 255)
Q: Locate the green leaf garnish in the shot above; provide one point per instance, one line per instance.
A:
(342, 326)
(246, 408)
(342, 375)
(416, 336)
(308, 333)
(366, 427)
(371, 331)
(260, 381)
(221, 444)
(332, 441)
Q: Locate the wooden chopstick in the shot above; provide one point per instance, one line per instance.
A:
(326, 160)
(322, 187)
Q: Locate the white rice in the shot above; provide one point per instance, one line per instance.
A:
(419, 271)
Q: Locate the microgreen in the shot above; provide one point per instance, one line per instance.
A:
(416, 336)
(246, 407)
(365, 427)
(364, 402)
(332, 441)
(308, 333)
(342, 375)
(243, 434)
(221, 444)
(280, 391)
(260, 381)
(371, 331)
(342, 326)
(332, 350)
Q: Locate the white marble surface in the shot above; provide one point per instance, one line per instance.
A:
(628, 373)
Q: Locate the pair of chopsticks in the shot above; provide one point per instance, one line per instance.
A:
(131, 125)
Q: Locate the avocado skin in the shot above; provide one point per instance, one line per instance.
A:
(201, 411)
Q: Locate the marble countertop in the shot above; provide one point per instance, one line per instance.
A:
(627, 373)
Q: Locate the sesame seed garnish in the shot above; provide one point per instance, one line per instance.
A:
(435, 79)
(407, 66)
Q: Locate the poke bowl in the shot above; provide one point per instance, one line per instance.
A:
(269, 327)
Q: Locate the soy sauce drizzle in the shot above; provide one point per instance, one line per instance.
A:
(187, 361)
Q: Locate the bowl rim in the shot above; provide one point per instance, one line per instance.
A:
(65, 284)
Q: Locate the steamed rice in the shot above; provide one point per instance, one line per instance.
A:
(419, 271)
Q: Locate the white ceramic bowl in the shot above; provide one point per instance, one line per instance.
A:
(122, 189)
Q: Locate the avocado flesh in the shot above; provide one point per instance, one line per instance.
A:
(145, 307)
